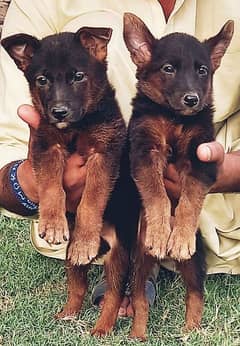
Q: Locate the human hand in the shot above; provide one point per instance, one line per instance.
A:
(206, 152)
(74, 174)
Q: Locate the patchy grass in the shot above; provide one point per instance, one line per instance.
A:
(32, 290)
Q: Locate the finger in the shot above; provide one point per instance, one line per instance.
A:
(76, 161)
(74, 174)
(29, 115)
(171, 173)
(173, 190)
(211, 152)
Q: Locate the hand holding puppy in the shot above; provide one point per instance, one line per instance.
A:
(206, 152)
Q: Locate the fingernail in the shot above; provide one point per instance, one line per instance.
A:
(121, 312)
(207, 152)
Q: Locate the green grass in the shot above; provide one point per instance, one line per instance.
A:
(32, 290)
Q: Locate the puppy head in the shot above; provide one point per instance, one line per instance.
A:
(66, 72)
(175, 71)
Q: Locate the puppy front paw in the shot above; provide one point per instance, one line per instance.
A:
(53, 228)
(83, 249)
(156, 238)
(181, 244)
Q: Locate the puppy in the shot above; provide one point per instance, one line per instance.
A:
(172, 115)
(67, 76)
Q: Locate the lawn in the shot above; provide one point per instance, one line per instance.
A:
(32, 290)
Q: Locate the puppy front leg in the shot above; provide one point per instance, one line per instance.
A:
(148, 176)
(49, 166)
(182, 242)
(85, 239)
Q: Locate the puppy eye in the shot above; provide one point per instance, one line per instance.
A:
(168, 68)
(79, 76)
(41, 80)
(203, 70)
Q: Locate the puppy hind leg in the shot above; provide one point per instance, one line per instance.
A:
(76, 287)
(193, 272)
(116, 271)
(143, 266)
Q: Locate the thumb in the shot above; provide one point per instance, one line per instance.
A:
(29, 115)
(211, 152)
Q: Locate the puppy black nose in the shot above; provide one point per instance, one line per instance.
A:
(190, 100)
(60, 112)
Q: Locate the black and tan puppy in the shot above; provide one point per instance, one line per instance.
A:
(172, 115)
(79, 114)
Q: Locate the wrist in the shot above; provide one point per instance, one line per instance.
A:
(27, 181)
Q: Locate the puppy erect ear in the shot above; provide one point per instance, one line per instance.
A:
(138, 39)
(21, 48)
(95, 40)
(218, 44)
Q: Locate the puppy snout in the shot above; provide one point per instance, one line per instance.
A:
(60, 112)
(190, 100)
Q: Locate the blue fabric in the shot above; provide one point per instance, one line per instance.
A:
(20, 195)
(101, 287)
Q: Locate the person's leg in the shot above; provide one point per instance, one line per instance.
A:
(126, 309)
